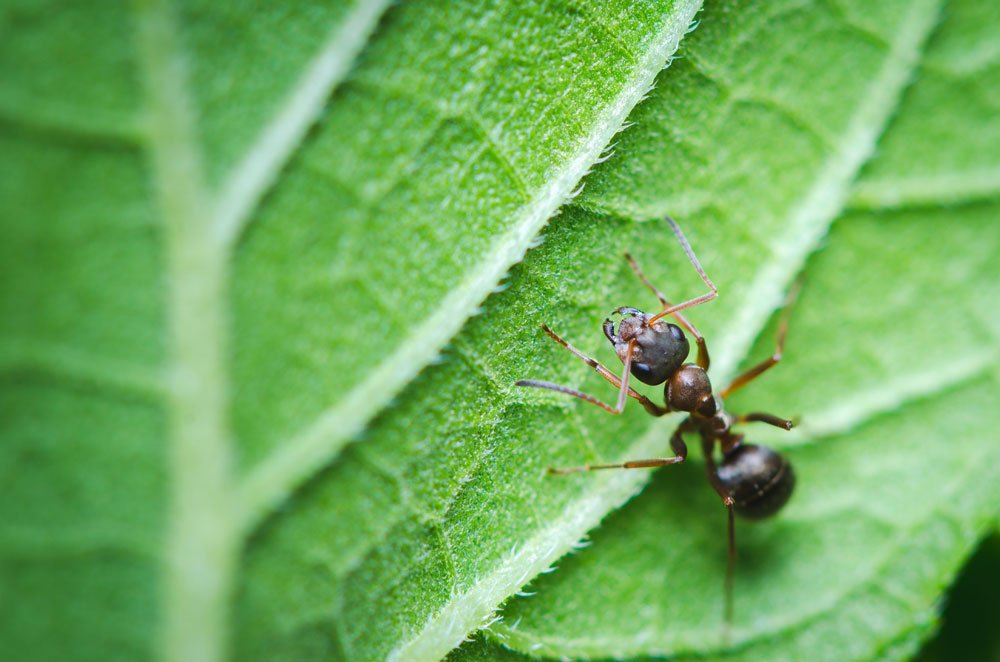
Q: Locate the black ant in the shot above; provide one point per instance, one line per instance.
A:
(753, 481)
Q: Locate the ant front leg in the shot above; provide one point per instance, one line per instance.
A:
(712, 290)
(621, 383)
(676, 444)
(703, 359)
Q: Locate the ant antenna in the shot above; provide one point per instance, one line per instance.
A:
(708, 296)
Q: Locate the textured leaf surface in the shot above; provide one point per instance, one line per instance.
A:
(888, 502)
(223, 256)
(444, 509)
(944, 148)
(205, 297)
(892, 363)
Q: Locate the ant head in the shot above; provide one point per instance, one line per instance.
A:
(759, 479)
(660, 348)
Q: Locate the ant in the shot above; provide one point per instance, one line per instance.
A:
(753, 481)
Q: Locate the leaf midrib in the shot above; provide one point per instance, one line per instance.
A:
(201, 228)
(200, 543)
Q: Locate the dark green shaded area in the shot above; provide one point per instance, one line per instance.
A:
(80, 521)
(968, 622)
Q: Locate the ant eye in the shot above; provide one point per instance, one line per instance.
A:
(676, 332)
(643, 373)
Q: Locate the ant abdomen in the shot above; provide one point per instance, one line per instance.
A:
(760, 480)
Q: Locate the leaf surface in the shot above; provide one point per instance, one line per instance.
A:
(445, 510)
(896, 476)
(891, 363)
(223, 255)
(234, 239)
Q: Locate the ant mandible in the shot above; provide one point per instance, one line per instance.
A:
(753, 481)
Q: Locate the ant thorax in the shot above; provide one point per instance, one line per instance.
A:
(721, 421)
(689, 389)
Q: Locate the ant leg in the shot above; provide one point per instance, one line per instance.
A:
(622, 384)
(676, 444)
(645, 281)
(707, 447)
(703, 359)
(708, 296)
(759, 417)
(730, 563)
(759, 369)
(768, 363)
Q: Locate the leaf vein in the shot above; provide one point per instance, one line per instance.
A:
(257, 171)
(201, 546)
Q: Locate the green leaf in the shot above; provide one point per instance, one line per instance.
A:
(444, 509)
(944, 148)
(223, 256)
(892, 364)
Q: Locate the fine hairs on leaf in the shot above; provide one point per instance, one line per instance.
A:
(310, 449)
(485, 464)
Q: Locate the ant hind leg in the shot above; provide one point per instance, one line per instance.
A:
(676, 444)
(707, 447)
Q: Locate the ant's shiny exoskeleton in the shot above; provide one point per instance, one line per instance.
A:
(753, 481)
